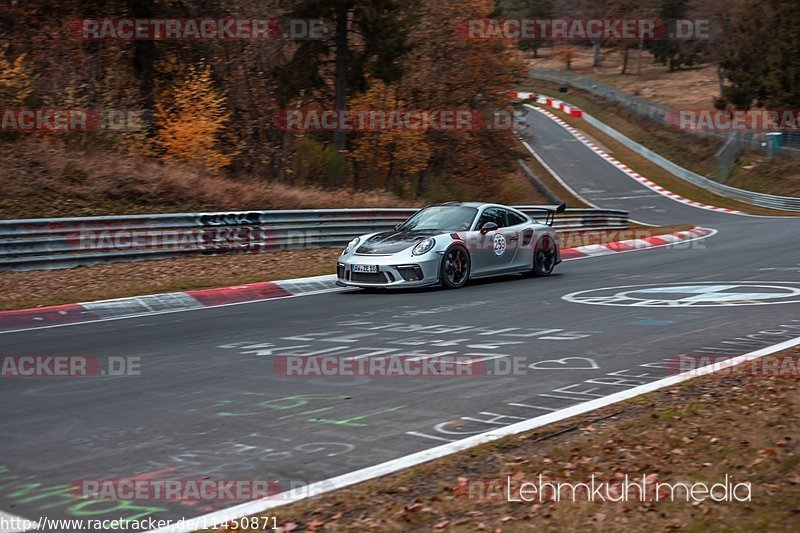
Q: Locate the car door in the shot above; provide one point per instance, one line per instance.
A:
(492, 251)
(512, 231)
(520, 236)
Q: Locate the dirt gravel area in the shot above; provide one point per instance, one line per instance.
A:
(687, 88)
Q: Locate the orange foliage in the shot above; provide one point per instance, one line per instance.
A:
(15, 84)
(190, 124)
(385, 155)
(566, 54)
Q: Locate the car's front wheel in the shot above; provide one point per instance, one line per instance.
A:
(455, 267)
(544, 257)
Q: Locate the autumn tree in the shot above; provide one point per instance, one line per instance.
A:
(191, 120)
(744, 63)
(719, 42)
(447, 70)
(782, 82)
(393, 158)
(367, 39)
(526, 9)
(620, 9)
(674, 53)
(584, 9)
(15, 82)
(566, 54)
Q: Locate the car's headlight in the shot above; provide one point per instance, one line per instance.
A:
(423, 247)
(351, 245)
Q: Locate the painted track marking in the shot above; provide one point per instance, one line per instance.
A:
(424, 456)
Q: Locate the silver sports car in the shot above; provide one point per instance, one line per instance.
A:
(452, 243)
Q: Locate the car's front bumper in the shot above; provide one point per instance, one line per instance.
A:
(393, 271)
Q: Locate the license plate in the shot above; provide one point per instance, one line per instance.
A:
(365, 268)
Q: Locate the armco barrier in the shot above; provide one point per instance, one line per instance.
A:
(782, 203)
(50, 243)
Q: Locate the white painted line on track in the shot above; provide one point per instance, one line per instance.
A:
(555, 175)
(564, 183)
(414, 459)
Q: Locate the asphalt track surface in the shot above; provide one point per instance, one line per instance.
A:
(208, 402)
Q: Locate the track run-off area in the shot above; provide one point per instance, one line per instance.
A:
(206, 401)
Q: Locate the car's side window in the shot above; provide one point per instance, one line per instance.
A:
(502, 216)
(514, 219)
(492, 214)
(483, 219)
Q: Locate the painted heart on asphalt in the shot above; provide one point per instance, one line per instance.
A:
(567, 363)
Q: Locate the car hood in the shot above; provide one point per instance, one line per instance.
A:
(391, 242)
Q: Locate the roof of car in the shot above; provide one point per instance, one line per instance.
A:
(471, 204)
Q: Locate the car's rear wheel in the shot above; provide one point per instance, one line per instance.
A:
(544, 257)
(455, 267)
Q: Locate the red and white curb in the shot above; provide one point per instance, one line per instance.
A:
(656, 241)
(173, 302)
(575, 112)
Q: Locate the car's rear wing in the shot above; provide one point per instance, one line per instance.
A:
(549, 211)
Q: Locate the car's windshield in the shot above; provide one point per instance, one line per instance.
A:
(441, 217)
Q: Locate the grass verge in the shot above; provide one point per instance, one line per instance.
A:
(739, 423)
(21, 290)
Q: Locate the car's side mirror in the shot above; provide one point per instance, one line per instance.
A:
(489, 226)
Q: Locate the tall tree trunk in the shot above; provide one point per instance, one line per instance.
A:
(145, 53)
(422, 181)
(639, 58)
(596, 48)
(342, 59)
(624, 59)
